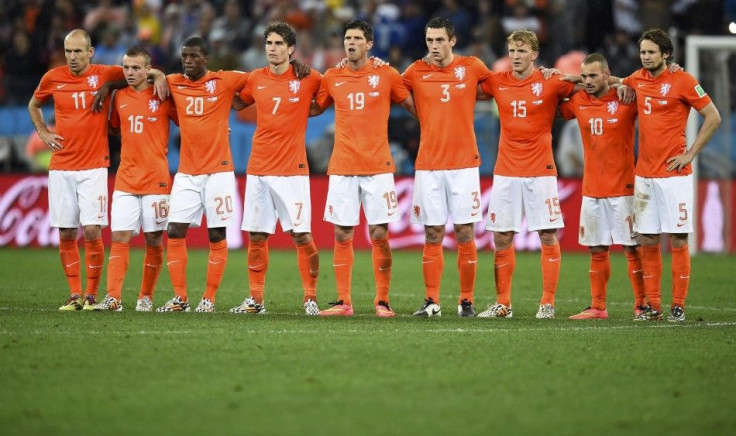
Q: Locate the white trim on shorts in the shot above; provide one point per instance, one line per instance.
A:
(663, 204)
(376, 193)
(513, 198)
(607, 221)
(440, 194)
(277, 198)
(78, 198)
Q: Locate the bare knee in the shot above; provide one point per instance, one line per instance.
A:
(154, 239)
(678, 240)
(344, 233)
(503, 240)
(434, 234)
(124, 237)
(177, 230)
(464, 233)
(92, 233)
(303, 238)
(217, 234)
(649, 240)
(378, 231)
(548, 237)
(68, 234)
(599, 249)
(258, 237)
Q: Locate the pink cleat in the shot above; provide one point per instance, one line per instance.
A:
(337, 309)
(591, 313)
(383, 310)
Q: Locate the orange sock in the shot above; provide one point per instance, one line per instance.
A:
(216, 264)
(343, 262)
(651, 266)
(116, 268)
(152, 262)
(551, 260)
(635, 276)
(600, 272)
(176, 261)
(680, 275)
(94, 256)
(504, 265)
(69, 253)
(467, 267)
(307, 259)
(257, 267)
(382, 261)
(433, 263)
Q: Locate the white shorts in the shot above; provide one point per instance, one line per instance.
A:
(663, 205)
(78, 197)
(376, 193)
(606, 221)
(130, 212)
(442, 193)
(271, 198)
(211, 194)
(513, 198)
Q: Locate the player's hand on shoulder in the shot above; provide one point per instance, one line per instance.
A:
(549, 72)
(160, 86)
(378, 62)
(301, 69)
(625, 93)
(674, 67)
(572, 78)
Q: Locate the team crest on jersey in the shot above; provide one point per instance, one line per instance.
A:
(664, 89)
(612, 107)
(93, 81)
(294, 86)
(153, 105)
(537, 88)
(460, 73)
(373, 81)
(210, 86)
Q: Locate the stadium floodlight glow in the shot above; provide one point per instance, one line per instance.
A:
(732, 27)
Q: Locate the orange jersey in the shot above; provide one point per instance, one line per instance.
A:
(362, 103)
(607, 128)
(203, 107)
(527, 110)
(282, 110)
(84, 132)
(445, 101)
(143, 121)
(664, 105)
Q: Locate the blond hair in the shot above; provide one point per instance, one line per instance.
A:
(524, 37)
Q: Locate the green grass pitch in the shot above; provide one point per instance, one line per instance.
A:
(288, 374)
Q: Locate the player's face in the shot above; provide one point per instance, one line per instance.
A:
(651, 56)
(77, 53)
(136, 70)
(277, 50)
(356, 46)
(522, 57)
(595, 78)
(194, 62)
(439, 45)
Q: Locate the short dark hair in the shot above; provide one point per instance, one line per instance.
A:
(662, 39)
(441, 23)
(283, 30)
(596, 57)
(360, 25)
(196, 41)
(139, 51)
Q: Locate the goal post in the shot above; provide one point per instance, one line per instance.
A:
(708, 59)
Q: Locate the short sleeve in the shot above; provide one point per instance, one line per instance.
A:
(399, 91)
(566, 110)
(323, 97)
(114, 115)
(408, 77)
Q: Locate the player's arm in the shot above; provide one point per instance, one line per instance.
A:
(711, 121)
(317, 108)
(301, 69)
(49, 138)
(160, 85)
(160, 88)
(408, 104)
(238, 103)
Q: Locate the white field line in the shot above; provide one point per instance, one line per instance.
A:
(377, 331)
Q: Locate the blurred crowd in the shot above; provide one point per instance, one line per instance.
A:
(32, 31)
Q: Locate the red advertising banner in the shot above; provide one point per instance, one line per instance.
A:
(24, 218)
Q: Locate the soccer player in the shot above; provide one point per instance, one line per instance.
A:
(447, 180)
(277, 186)
(78, 169)
(361, 167)
(663, 199)
(143, 183)
(205, 182)
(607, 211)
(525, 176)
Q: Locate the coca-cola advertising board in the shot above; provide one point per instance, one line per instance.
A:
(24, 218)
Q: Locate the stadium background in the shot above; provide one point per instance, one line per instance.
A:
(32, 32)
